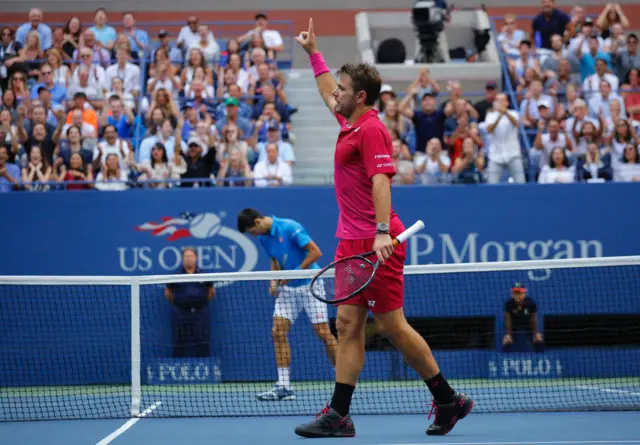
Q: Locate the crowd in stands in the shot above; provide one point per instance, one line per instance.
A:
(576, 104)
(93, 106)
(96, 106)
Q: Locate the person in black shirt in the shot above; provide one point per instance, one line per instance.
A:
(548, 22)
(521, 322)
(428, 121)
(199, 166)
(190, 310)
(485, 105)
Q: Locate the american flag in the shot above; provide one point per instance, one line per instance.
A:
(176, 228)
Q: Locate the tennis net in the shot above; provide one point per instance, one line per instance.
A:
(116, 347)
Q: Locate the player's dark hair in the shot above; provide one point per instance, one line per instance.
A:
(247, 219)
(364, 77)
(189, 248)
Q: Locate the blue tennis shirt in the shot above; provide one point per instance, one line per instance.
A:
(286, 243)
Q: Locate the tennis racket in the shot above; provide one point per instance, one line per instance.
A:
(352, 274)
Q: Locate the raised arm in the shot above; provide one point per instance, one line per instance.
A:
(324, 79)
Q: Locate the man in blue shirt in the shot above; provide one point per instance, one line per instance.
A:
(58, 92)
(138, 38)
(290, 248)
(428, 121)
(9, 173)
(190, 310)
(35, 24)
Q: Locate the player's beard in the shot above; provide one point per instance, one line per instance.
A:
(346, 109)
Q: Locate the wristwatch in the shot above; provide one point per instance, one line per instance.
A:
(382, 229)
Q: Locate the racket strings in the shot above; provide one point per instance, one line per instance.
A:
(350, 276)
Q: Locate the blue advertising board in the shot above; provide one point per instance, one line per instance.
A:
(142, 232)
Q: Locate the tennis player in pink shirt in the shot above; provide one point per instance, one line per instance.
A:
(363, 171)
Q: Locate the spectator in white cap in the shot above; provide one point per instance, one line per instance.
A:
(386, 94)
(544, 111)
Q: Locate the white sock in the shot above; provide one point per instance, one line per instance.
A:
(284, 377)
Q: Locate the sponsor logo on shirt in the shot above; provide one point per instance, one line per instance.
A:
(388, 164)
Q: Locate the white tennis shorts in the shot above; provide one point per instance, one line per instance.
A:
(293, 300)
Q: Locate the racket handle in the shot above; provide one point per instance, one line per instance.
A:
(415, 228)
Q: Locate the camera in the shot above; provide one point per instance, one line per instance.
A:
(428, 18)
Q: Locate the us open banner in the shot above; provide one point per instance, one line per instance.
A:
(141, 232)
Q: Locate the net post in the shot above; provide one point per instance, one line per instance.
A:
(136, 391)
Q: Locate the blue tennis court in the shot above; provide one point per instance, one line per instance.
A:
(234, 424)
(477, 429)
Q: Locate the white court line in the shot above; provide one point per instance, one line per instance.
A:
(111, 437)
(550, 442)
(613, 391)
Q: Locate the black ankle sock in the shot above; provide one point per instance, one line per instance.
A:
(341, 399)
(442, 392)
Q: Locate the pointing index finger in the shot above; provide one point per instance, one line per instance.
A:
(310, 26)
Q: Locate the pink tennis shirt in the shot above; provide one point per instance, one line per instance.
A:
(363, 150)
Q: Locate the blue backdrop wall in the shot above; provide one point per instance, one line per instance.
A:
(98, 233)
(142, 232)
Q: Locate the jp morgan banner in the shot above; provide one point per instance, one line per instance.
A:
(143, 231)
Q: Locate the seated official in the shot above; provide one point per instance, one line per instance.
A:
(521, 322)
(190, 311)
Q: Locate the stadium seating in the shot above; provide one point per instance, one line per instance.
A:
(118, 105)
